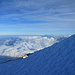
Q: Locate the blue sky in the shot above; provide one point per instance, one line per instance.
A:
(36, 17)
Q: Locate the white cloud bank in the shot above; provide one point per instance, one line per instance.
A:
(18, 46)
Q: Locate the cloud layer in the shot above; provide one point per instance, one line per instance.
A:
(49, 13)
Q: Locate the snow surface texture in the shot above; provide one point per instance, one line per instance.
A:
(59, 59)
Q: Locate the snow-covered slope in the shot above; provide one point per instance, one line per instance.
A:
(59, 59)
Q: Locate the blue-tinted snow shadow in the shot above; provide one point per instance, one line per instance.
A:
(4, 59)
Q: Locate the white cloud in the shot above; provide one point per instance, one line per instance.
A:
(23, 44)
(42, 14)
(38, 10)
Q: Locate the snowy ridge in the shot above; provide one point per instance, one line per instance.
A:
(59, 59)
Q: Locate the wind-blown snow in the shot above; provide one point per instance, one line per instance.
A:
(59, 59)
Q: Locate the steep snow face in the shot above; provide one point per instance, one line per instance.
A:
(59, 59)
(21, 45)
